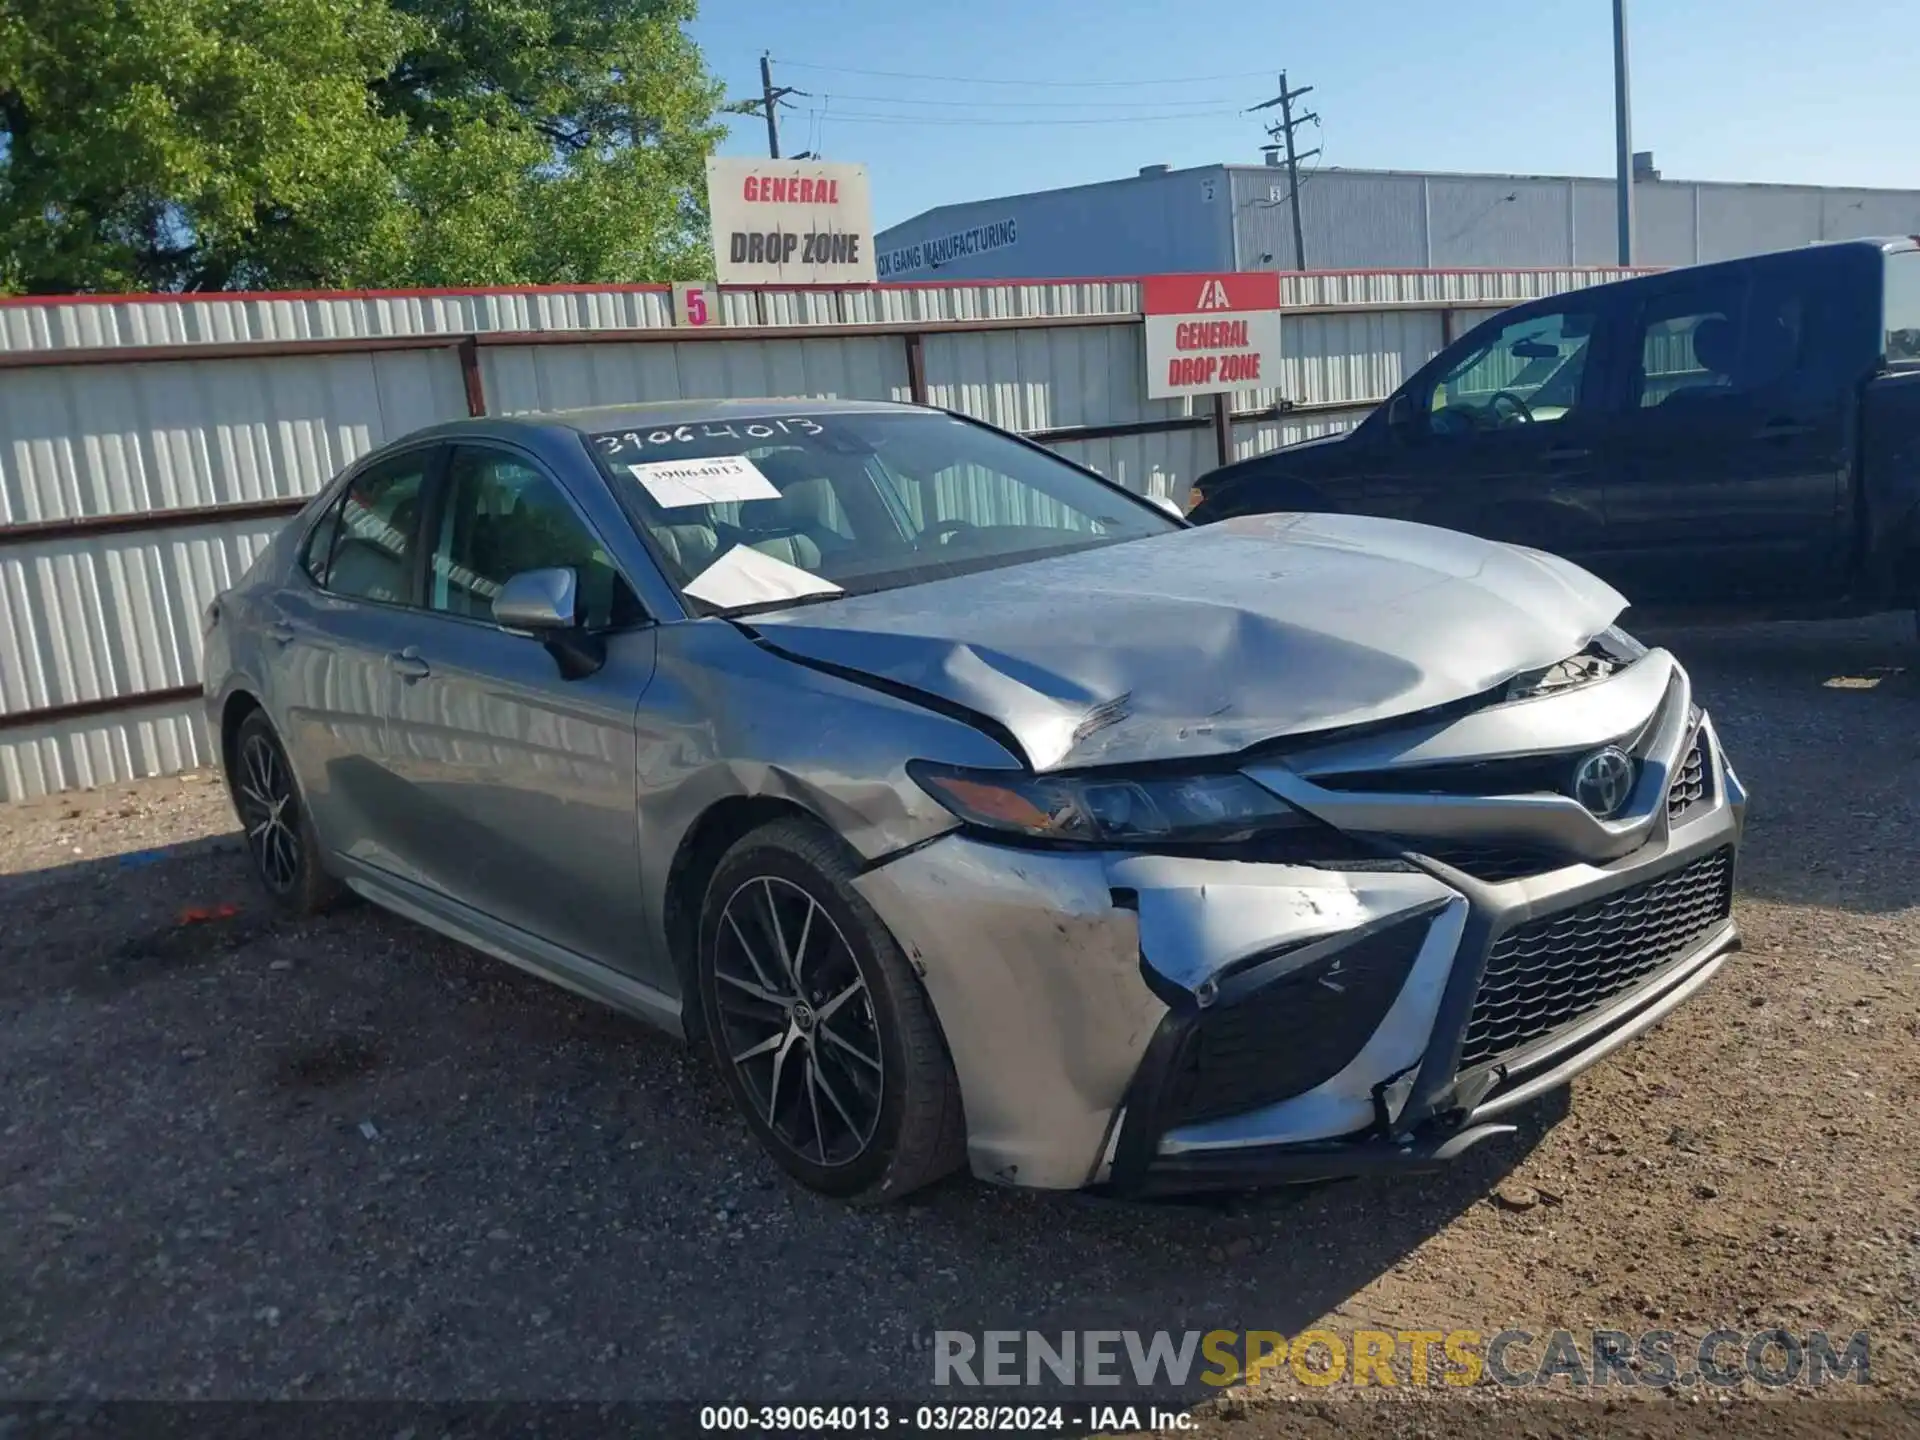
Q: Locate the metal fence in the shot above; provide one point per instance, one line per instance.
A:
(150, 445)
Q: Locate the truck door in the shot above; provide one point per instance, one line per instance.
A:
(1502, 435)
(1733, 448)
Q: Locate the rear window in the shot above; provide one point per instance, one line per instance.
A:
(1903, 305)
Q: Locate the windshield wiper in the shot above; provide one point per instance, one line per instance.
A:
(760, 607)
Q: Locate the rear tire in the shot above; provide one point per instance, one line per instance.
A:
(819, 1025)
(278, 832)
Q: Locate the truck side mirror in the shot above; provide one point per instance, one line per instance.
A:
(1400, 416)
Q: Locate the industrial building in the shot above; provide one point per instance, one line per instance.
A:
(1237, 217)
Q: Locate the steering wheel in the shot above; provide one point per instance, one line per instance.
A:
(1519, 409)
(940, 529)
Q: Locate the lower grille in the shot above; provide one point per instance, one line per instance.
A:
(1691, 785)
(1547, 973)
(1491, 860)
(1292, 1035)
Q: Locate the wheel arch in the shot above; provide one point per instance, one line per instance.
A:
(720, 826)
(233, 713)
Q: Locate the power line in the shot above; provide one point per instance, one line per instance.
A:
(843, 115)
(1033, 84)
(1216, 100)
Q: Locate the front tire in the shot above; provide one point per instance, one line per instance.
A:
(822, 1030)
(273, 815)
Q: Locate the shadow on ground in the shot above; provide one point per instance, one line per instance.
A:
(254, 1157)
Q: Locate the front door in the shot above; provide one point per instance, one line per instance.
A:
(1504, 440)
(1732, 459)
(521, 782)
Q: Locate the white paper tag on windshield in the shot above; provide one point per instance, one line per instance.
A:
(744, 576)
(674, 484)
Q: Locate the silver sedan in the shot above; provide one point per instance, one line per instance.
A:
(970, 809)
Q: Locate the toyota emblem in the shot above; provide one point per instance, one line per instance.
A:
(1603, 781)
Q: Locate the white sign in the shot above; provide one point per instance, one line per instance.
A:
(677, 483)
(790, 222)
(695, 302)
(1209, 333)
(745, 576)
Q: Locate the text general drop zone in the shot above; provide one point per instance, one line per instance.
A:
(1239, 365)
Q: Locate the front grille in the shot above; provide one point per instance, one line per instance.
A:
(1290, 1036)
(1691, 784)
(1490, 860)
(1547, 973)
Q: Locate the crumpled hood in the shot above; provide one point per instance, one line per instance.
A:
(1209, 640)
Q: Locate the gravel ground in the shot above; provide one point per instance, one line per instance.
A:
(247, 1158)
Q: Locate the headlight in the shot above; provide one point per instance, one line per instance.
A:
(1108, 809)
(1618, 642)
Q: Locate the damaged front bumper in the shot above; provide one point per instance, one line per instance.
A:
(1159, 1024)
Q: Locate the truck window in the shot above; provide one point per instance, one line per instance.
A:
(1529, 371)
(1724, 339)
(1903, 306)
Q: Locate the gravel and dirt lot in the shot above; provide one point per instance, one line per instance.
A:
(247, 1158)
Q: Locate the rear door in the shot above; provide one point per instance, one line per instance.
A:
(1732, 456)
(326, 643)
(1503, 439)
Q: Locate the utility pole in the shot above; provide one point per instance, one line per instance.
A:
(1283, 136)
(770, 98)
(1622, 132)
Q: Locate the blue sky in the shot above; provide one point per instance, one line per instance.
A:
(1762, 90)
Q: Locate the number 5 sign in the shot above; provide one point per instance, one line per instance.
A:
(695, 302)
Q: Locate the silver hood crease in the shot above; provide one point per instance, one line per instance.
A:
(1204, 643)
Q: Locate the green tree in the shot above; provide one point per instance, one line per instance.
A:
(284, 144)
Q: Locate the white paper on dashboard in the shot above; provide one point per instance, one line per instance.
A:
(674, 484)
(744, 576)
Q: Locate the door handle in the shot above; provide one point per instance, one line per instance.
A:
(408, 665)
(280, 632)
(1563, 453)
(1781, 430)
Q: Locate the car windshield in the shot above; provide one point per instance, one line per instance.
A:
(750, 513)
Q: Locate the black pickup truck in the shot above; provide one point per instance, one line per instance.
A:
(1738, 436)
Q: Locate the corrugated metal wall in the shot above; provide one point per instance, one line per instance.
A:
(90, 614)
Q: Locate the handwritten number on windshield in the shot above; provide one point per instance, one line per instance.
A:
(615, 444)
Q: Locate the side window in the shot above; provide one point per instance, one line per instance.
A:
(373, 547)
(503, 517)
(317, 553)
(1689, 342)
(1529, 372)
(1901, 315)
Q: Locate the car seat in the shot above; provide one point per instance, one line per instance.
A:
(796, 526)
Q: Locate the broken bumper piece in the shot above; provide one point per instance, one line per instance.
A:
(1153, 1024)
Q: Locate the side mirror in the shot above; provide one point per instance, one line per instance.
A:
(546, 604)
(542, 601)
(1400, 415)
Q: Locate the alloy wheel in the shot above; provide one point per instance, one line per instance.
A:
(797, 1021)
(269, 809)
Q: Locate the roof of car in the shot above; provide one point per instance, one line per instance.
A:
(674, 412)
